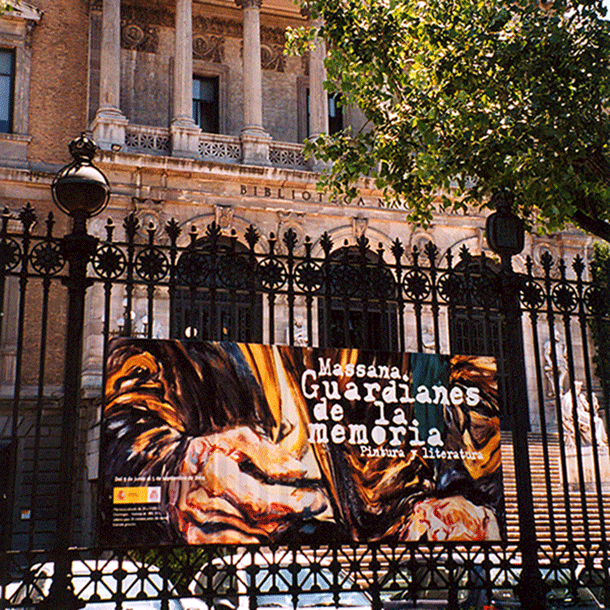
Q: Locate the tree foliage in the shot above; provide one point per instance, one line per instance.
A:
(468, 96)
(7, 5)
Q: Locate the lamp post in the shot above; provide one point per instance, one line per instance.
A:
(81, 191)
(505, 236)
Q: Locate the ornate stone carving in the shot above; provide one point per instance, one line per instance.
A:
(419, 239)
(137, 38)
(209, 48)
(151, 214)
(272, 57)
(359, 226)
(203, 26)
(29, 30)
(584, 414)
(140, 28)
(209, 38)
(151, 16)
(300, 332)
(561, 356)
(273, 36)
(224, 216)
(542, 248)
(249, 3)
(286, 221)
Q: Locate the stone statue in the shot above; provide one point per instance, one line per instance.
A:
(562, 364)
(428, 339)
(300, 331)
(583, 410)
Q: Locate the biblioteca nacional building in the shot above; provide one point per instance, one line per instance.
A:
(201, 118)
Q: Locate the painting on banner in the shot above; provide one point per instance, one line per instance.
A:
(243, 443)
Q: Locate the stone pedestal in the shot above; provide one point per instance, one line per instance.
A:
(588, 466)
(108, 128)
(185, 136)
(255, 146)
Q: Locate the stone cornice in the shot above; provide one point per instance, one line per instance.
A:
(23, 10)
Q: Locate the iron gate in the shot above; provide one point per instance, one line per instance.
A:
(547, 327)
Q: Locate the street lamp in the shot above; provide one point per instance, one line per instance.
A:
(504, 230)
(505, 233)
(80, 190)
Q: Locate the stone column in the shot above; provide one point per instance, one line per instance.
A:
(318, 98)
(183, 130)
(109, 124)
(254, 139)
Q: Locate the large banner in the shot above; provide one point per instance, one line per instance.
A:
(243, 443)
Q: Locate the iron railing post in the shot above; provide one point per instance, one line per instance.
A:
(505, 235)
(531, 587)
(78, 247)
(80, 190)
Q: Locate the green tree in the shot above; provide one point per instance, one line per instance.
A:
(464, 97)
(7, 5)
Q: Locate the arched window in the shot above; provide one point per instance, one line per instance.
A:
(475, 318)
(215, 296)
(358, 307)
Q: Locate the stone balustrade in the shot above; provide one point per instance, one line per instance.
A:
(141, 139)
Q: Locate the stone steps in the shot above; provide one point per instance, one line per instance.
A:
(561, 504)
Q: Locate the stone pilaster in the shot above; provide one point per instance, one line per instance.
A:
(183, 130)
(109, 123)
(254, 139)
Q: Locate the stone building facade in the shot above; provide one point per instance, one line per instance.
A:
(124, 71)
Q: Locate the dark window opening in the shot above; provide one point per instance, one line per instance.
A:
(205, 103)
(373, 329)
(5, 470)
(216, 298)
(6, 90)
(335, 113)
(358, 310)
(475, 323)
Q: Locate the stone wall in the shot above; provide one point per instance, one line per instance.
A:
(58, 95)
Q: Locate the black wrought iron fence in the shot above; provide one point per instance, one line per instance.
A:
(169, 283)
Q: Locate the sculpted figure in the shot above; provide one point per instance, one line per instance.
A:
(562, 364)
(583, 410)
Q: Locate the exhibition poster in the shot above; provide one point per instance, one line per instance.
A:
(245, 443)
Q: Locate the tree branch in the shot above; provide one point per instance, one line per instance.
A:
(599, 228)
